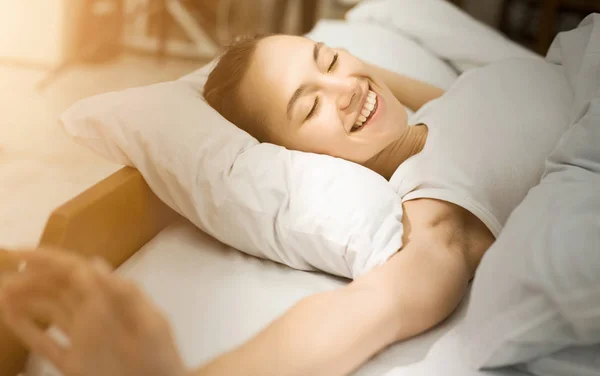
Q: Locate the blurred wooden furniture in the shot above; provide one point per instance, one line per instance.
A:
(113, 219)
(96, 35)
(548, 12)
(458, 3)
(197, 21)
(310, 9)
(308, 15)
(549, 16)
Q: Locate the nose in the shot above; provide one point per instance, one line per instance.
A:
(344, 90)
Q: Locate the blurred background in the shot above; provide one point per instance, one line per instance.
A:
(48, 33)
(54, 52)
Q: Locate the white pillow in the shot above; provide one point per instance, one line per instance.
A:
(304, 210)
(442, 28)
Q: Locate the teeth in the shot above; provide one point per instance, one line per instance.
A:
(366, 111)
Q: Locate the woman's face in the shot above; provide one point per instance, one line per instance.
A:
(321, 100)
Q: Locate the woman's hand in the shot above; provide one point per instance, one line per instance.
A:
(112, 327)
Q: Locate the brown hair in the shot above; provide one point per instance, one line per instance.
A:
(222, 89)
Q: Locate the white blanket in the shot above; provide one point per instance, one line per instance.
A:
(535, 304)
(444, 29)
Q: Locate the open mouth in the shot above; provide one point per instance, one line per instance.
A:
(367, 112)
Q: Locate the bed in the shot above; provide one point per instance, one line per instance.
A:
(215, 296)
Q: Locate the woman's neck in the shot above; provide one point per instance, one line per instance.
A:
(410, 143)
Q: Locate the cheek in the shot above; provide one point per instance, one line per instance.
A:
(351, 60)
(330, 122)
(324, 135)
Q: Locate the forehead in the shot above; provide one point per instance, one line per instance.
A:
(282, 54)
(280, 65)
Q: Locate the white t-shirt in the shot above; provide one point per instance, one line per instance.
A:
(488, 139)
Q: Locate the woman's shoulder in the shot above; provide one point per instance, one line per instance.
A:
(446, 222)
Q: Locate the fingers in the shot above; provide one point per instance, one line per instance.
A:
(29, 296)
(59, 262)
(33, 283)
(35, 338)
(71, 273)
(101, 265)
(132, 307)
(58, 287)
(53, 286)
(9, 262)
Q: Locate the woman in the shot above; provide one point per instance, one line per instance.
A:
(452, 176)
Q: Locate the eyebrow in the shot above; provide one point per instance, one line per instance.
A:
(298, 93)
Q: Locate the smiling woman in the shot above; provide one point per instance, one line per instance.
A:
(306, 96)
(451, 171)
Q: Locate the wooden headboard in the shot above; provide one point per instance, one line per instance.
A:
(113, 219)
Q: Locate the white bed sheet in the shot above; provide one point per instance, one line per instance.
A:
(216, 297)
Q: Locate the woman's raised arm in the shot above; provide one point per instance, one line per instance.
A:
(410, 92)
(333, 333)
(110, 322)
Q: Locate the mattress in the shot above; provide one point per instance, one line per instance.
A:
(216, 298)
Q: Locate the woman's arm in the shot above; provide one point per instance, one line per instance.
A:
(410, 92)
(333, 333)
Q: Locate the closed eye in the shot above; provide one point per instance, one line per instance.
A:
(313, 110)
(333, 63)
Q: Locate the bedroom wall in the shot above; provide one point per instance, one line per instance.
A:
(37, 32)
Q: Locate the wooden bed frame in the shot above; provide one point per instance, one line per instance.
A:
(113, 219)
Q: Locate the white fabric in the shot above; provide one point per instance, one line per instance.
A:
(216, 298)
(295, 208)
(573, 361)
(386, 48)
(488, 138)
(445, 358)
(537, 290)
(443, 29)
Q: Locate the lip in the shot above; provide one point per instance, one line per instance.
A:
(362, 105)
(362, 101)
(376, 110)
